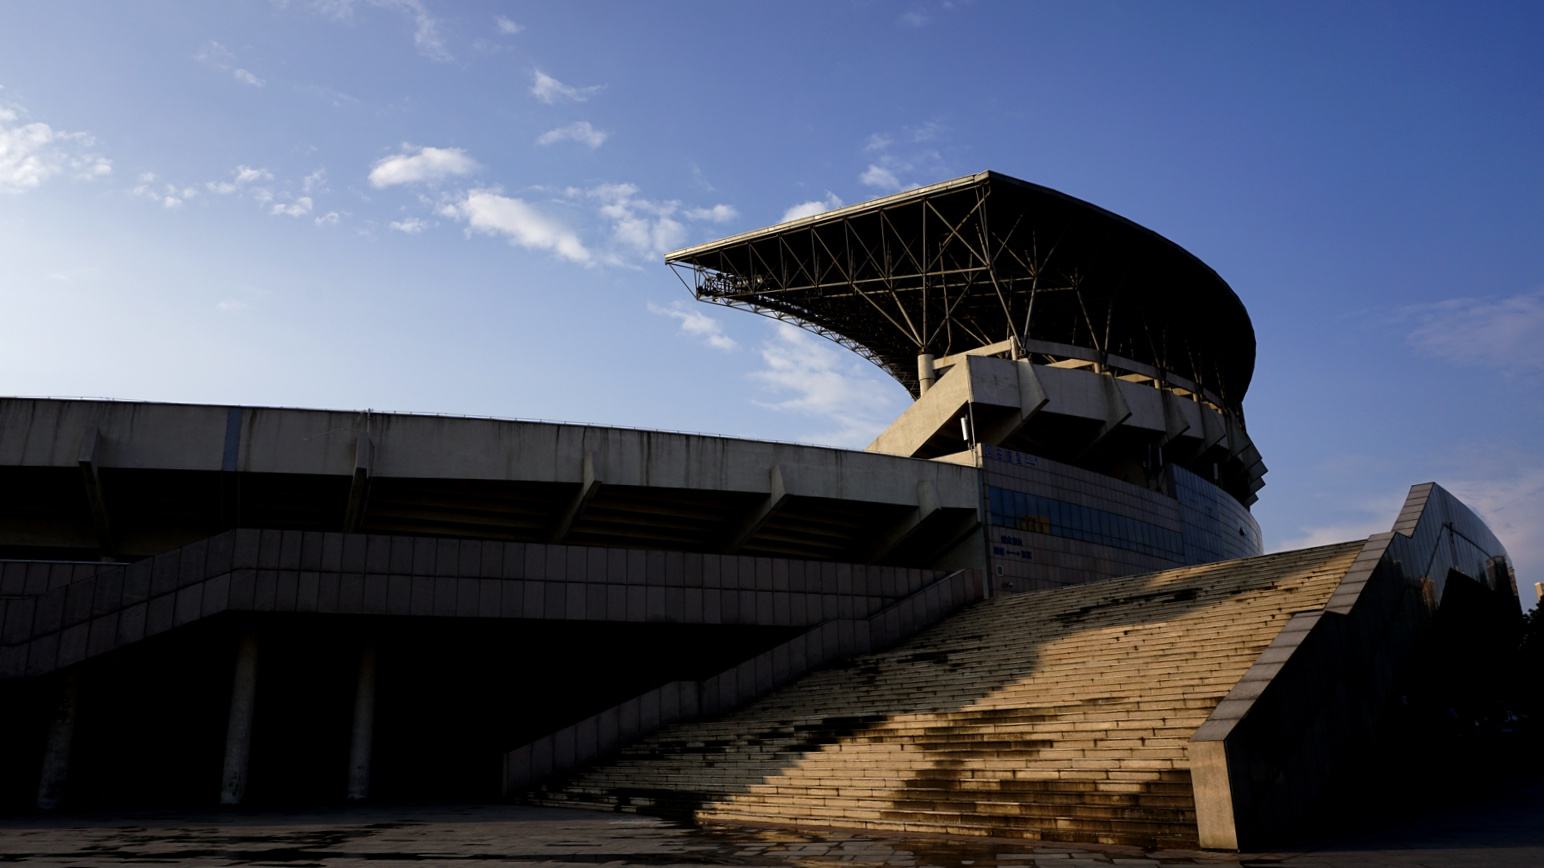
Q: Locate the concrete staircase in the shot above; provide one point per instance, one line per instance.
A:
(1056, 716)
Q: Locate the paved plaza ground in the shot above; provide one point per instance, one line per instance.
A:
(1503, 829)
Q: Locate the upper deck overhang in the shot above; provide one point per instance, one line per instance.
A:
(978, 260)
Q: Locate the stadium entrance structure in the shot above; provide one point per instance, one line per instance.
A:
(1077, 352)
(263, 604)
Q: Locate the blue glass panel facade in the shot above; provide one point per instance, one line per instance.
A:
(1036, 513)
(1217, 527)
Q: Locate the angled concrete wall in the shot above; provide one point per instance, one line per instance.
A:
(1262, 760)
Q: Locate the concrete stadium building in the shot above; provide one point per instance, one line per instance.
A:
(253, 605)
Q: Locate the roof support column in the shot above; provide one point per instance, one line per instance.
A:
(362, 737)
(926, 375)
(61, 738)
(238, 729)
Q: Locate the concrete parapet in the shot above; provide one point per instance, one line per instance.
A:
(67, 613)
(602, 733)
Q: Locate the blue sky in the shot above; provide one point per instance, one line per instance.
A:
(459, 207)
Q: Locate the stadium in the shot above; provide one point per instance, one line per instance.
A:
(1035, 606)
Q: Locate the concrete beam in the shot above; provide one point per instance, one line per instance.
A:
(359, 487)
(1116, 412)
(1009, 346)
(96, 500)
(1032, 399)
(927, 507)
(589, 484)
(1174, 422)
(777, 492)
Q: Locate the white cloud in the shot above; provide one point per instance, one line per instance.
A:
(248, 175)
(914, 18)
(720, 213)
(505, 26)
(644, 227)
(1355, 518)
(827, 383)
(491, 213)
(428, 164)
(316, 182)
(426, 28)
(297, 208)
(896, 159)
(216, 56)
(409, 226)
(331, 218)
(696, 324)
(31, 153)
(1506, 333)
(880, 178)
(549, 90)
(231, 305)
(241, 176)
(812, 207)
(169, 196)
(579, 131)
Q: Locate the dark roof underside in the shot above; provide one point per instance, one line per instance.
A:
(974, 261)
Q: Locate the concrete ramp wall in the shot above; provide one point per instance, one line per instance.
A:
(1262, 760)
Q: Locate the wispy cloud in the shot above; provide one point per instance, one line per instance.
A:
(696, 324)
(33, 152)
(582, 132)
(421, 165)
(169, 196)
(298, 207)
(644, 226)
(812, 207)
(489, 212)
(409, 225)
(427, 37)
(216, 56)
(1355, 518)
(549, 90)
(904, 159)
(818, 380)
(241, 177)
(880, 178)
(505, 26)
(426, 29)
(1506, 332)
(719, 213)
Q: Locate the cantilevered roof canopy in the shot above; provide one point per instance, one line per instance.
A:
(977, 260)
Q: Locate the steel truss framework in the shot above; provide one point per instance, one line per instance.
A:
(982, 259)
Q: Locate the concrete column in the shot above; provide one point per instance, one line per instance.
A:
(56, 752)
(926, 375)
(238, 731)
(364, 727)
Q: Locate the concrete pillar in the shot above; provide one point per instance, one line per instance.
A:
(926, 376)
(61, 737)
(364, 727)
(238, 731)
